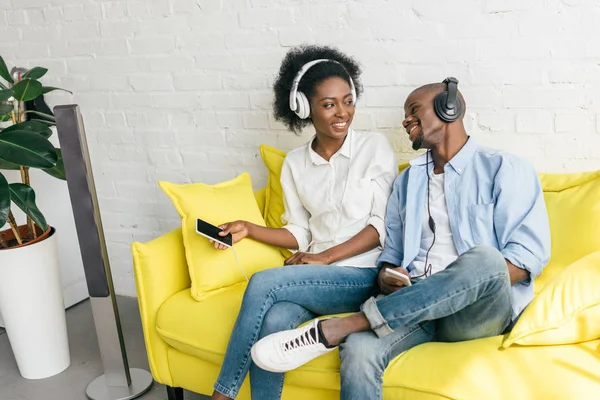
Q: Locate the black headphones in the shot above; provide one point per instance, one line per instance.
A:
(446, 104)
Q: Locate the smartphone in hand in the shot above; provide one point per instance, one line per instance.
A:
(212, 232)
(400, 276)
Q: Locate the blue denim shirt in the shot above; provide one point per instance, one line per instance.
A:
(493, 198)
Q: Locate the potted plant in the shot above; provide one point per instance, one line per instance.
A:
(31, 301)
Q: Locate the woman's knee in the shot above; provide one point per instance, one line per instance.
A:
(263, 281)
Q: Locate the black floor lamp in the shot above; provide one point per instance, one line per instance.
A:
(119, 382)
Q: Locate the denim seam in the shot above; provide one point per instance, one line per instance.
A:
(456, 293)
(224, 391)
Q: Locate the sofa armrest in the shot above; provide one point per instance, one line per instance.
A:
(161, 270)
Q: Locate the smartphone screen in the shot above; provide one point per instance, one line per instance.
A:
(212, 232)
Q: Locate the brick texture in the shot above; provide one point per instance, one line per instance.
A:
(180, 89)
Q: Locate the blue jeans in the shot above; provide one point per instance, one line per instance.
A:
(283, 298)
(468, 300)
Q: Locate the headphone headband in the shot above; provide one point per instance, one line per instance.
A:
(302, 71)
(452, 85)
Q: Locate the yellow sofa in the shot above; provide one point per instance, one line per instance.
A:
(186, 339)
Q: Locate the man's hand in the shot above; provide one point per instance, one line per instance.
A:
(387, 282)
(238, 230)
(307, 258)
(516, 274)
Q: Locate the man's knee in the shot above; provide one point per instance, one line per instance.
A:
(485, 258)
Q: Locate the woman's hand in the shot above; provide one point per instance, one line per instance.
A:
(308, 258)
(238, 230)
(387, 283)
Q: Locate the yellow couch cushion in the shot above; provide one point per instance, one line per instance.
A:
(212, 270)
(566, 311)
(573, 203)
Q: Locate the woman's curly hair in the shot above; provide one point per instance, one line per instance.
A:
(291, 64)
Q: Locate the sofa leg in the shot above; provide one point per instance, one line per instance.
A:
(174, 393)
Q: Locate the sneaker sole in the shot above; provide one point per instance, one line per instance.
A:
(261, 365)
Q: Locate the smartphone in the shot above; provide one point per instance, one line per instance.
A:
(401, 277)
(212, 232)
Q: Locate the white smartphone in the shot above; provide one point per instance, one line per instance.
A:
(212, 232)
(401, 277)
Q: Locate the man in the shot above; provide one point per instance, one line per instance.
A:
(467, 224)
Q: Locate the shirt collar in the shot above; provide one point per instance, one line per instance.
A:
(458, 162)
(345, 150)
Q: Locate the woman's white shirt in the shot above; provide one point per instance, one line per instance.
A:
(329, 202)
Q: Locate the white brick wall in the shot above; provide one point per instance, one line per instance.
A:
(180, 89)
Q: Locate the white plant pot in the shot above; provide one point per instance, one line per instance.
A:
(31, 304)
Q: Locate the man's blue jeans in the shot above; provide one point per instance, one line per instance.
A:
(470, 299)
(283, 298)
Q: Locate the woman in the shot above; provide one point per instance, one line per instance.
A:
(335, 189)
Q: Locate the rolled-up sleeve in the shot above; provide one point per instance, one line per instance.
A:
(384, 171)
(295, 217)
(393, 251)
(521, 219)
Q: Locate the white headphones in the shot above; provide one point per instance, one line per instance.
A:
(298, 100)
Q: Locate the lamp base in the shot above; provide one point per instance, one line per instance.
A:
(141, 382)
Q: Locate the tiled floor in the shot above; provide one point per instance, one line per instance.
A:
(85, 359)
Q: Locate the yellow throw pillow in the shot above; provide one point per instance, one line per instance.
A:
(573, 203)
(566, 311)
(210, 269)
(273, 159)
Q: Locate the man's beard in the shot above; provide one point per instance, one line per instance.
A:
(418, 142)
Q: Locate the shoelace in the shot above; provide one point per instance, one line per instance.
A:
(299, 341)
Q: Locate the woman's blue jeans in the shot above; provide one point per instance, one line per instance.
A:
(283, 298)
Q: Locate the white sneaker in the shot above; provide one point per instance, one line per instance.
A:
(286, 350)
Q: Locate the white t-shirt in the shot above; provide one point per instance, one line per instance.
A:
(329, 202)
(443, 251)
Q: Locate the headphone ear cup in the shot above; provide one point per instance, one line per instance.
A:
(443, 113)
(303, 109)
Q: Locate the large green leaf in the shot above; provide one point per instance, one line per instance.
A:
(6, 109)
(35, 73)
(47, 89)
(30, 126)
(5, 94)
(27, 148)
(58, 171)
(8, 165)
(27, 89)
(24, 197)
(4, 200)
(4, 71)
